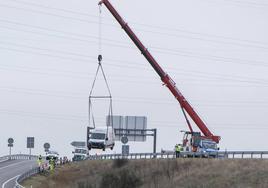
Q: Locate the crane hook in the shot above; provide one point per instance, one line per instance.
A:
(99, 58)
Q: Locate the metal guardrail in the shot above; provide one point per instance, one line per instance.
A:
(219, 154)
(4, 158)
(18, 157)
(25, 176)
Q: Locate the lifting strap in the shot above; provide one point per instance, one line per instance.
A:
(91, 96)
(109, 96)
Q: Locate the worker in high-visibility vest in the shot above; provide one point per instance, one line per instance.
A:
(51, 164)
(39, 160)
(178, 149)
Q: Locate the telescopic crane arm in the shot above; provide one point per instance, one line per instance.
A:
(163, 75)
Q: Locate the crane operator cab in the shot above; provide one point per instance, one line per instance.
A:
(194, 142)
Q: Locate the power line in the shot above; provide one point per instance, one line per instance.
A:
(52, 14)
(67, 117)
(112, 25)
(162, 50)
(240, 79)
(55, 8)
(121, 78)
(142, 24)
(247, 3)
(204, 75)
(143, 100)
(58, 31)
(159, 50)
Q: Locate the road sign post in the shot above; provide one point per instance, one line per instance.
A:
(10, 145)
(125, 150)
(154, 135)
(30, 144)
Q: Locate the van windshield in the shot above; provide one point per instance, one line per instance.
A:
(99, 136)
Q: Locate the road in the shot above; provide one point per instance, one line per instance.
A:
(10, 170)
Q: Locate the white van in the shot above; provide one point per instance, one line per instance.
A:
(80, 153)
(100, 140)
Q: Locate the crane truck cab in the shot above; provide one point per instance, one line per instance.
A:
(101, 138)
(194, 142)
(80, 154)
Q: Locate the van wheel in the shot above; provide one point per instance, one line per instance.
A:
(112, 148)
(103, 149)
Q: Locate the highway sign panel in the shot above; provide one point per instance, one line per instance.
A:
(125, 149)
(134, 127)
(78, 144)
(30, 142)
(10, 140)
(115, 121)
(10, 145)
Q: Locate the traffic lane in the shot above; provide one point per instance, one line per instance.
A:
(9, 173)
(8, 162)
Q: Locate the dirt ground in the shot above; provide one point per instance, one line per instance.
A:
(156, 173)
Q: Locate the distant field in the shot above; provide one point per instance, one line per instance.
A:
(158, 173)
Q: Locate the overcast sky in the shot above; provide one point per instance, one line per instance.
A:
(215, 50)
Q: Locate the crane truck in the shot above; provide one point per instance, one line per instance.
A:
(192, 141)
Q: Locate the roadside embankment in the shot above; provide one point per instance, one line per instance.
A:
(156, 173)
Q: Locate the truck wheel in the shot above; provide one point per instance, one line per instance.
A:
(112, 148)
(103, 149)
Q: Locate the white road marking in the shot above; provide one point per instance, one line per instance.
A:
(4, 184)
(3, 160)
(12, 164)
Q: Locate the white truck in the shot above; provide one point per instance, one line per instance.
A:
(80, 154)
(101, 138)
(52, 154)
(194, 142)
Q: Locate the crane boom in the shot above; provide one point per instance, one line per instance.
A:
(166, 79)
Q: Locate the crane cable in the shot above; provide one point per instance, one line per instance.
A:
(100, 68)
(100, 30)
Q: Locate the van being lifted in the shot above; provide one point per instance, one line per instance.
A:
(101, 138)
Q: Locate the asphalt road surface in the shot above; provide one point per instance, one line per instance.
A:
(10, 170)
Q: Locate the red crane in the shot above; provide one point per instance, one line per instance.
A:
(164, 77)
